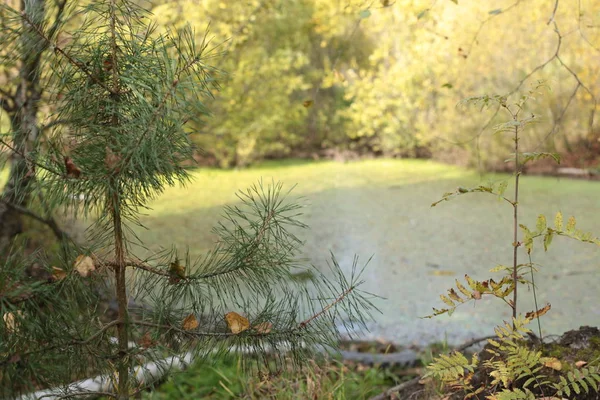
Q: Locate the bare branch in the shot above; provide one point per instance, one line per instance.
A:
(49, 221)
(553, 13)
(485, 21)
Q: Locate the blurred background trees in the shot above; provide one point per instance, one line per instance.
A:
(312, 77)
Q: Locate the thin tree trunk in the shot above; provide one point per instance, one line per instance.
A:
(24, 125)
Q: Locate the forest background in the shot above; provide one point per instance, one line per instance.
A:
(308, 78)
(341, 78)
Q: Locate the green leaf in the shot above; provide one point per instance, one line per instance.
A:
(454, 1)
(365, 14)
(495, 12)
(447, 85)
(502, 188)
(422, 13)
(558, 221)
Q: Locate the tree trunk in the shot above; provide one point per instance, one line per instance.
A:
(24, 125)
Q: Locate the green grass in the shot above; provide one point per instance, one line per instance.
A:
(225, 379)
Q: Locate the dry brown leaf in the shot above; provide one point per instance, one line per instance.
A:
(58, 274)
(236, 322)
(146, 341)
(84, 265)
(580, 364)
(72, 170)
(263, 327)
(538, 313)
(190, 323)
(552, 362)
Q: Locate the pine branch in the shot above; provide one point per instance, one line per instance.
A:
(57, 49)
(73, 342)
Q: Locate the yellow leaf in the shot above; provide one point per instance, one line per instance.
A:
(58, 274)
(558, 221)
(447, 300)
(454, 296)
(84, 265)
(307, 103)
(9, 322)
(552, 362)
(263, 327)
(442, 272)
(538, 313)
(463, 289)
(190, 322)
(236, 322)
(472, 283)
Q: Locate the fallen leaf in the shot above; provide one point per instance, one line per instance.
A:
(84, 265)
(236, 322)
(58, 274)
(190, 322)
(442, 272)
(538, 313)
(72, 170)
(307, 103)
(580, 364)
(146, 341)
(11, 322)
(263, 327)
(552, 362)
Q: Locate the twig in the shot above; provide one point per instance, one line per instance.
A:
(327, 308)
(68, 343)
(473, 342)
(50, 222)
(553, 13)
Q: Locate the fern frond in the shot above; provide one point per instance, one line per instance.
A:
(578, 381)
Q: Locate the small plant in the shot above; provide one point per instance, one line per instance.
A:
(516, 370)
(125, 92)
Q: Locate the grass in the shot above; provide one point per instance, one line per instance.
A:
(225, 379)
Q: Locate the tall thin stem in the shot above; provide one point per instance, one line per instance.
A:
(516, 219)
(121, 294)
(120, 250)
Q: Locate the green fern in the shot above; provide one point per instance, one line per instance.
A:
(578, 381)
(515, 394)
(453, 369)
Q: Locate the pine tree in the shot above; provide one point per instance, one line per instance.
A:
(124, 92)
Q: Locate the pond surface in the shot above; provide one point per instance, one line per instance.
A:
(381, 208)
